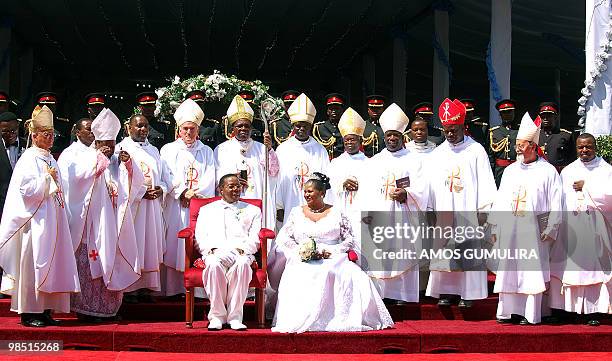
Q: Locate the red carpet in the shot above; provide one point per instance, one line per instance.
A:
(427, 336)
(155, 356)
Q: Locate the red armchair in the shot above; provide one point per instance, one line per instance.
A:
(193, 275)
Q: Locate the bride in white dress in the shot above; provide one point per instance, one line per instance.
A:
(330, 294)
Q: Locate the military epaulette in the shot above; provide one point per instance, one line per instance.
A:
(481, 123)
(565, 130)
(319, 123)
(439, 128)
(212, 120)
(495, 127)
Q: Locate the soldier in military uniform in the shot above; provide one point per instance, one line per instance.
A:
(210, 129)
(474, 127)
(4, 101)
(95, 103)
(424, 111)
(502, 139)
(373, 136)
(556, 143)
(161, 132)
(327, 132)
(62, 126)
(281, 128)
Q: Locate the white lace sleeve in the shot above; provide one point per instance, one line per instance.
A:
(286, 237)
(347, 240)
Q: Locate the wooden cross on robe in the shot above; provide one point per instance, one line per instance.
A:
(93, 255)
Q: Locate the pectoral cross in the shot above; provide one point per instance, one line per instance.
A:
(303, 173)
(192, 177)
(59, 195)
(521, 195)
(112, 193)
(93, 255)
(389, 184)
(146, 171)
(451, 178)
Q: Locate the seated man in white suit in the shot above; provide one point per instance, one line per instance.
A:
(227, 236)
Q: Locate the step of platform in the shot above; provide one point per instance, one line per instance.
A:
(427, 309)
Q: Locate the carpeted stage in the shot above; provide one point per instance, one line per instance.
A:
(422, 328)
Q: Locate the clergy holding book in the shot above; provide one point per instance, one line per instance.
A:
(396, 194)
(36, 251)
(526, 215)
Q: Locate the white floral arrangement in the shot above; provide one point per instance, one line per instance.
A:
(308, 251)
(216, 86)
(601, 57)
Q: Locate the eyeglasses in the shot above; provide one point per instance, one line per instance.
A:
(9, 131)
(47, 134)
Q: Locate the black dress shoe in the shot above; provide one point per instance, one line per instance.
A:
(444, 302)
(46, 317)
(32, 321)
(465, 303)
(524, 322)
(504, 320)
(401, 303)
(593, 323)
(132, 299)
(145, 298)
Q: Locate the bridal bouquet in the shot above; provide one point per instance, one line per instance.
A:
(308, 251)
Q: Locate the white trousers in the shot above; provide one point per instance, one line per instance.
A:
(227, 285)
(596, 298)
(470, 285)
(528, 306)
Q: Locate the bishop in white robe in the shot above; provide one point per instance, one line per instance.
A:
(243, 156)
(192, 168)
(397, 194)
(526, 216)
(149, 223)
(581, 280)
(227, 237)
(105, 187)
(462, 188)
(347, 173)
(298, 157)
(36, 251)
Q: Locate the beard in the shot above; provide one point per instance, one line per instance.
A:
(520, 158)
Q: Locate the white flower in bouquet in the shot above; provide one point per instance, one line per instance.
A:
(157, 109)
(174, 104)
(176, 80)
(308, 250)
(160, 92)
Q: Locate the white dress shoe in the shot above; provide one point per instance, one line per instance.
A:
(215, 325)
(237, 325)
